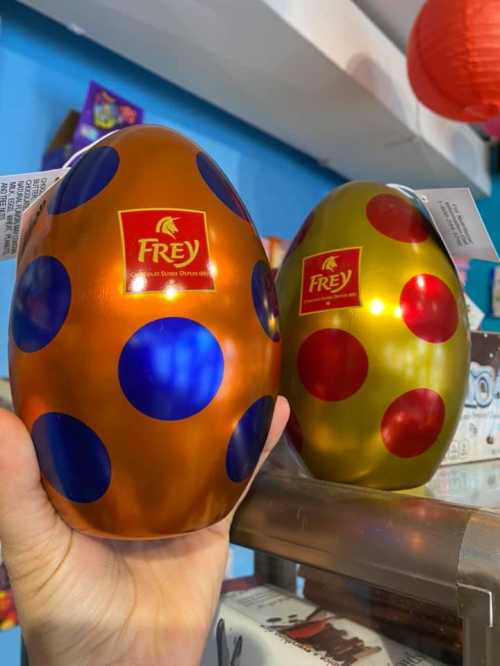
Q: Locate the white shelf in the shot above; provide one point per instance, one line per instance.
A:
(316, 74)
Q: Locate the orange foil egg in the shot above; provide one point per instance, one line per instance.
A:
(144, 339)
(375, 339)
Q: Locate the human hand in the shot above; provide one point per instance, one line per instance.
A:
(83, 601)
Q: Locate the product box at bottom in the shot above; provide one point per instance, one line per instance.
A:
(266, 626)
(478, 433)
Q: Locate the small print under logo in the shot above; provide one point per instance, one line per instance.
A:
(330, 280)
(165, 247)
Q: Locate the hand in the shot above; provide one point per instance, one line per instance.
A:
(84, 601)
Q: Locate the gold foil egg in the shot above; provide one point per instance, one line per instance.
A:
(375, 339)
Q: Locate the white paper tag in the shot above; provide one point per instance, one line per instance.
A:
(459, 223)
(16, 194)
(29, 217)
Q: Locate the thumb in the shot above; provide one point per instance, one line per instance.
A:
(280, 419)
(278, 424)
(26, 516)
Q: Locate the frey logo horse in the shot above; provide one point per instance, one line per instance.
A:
(330, 280)
(166, 248)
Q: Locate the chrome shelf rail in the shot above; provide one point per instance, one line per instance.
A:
(427, 549)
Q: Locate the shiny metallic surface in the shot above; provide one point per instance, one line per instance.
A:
(479, 590)
(160, 362)
(375, 339)
(433, 551)
(408, 545)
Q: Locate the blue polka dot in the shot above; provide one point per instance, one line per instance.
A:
(72, 457)
(220, 185)
(171, 368)
(87, 178)
(248, 439)
(41, 303)
(265, 300)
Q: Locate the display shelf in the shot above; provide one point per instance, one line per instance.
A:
(430, 550)
(320, 76)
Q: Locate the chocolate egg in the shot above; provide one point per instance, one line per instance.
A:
(144, 339)
(375, 339)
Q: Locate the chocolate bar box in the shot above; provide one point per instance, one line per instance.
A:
(478, 433)
(266, 626)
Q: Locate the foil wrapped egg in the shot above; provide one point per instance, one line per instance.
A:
(144, 339)
(375, 339)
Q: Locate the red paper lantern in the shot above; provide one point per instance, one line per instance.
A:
(492, 127)
(454, 58)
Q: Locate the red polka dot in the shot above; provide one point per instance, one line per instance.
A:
(294, 432)
(429, 309)
(412, 422)
(396, 218)
(332, 364)
(300, 235)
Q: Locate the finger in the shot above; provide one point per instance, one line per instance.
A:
(26, 515)
(280, 419)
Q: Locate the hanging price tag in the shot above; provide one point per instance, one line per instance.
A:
(459, 222)
(17, 193)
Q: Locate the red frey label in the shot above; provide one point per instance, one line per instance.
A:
(330, 280)
(165, 248)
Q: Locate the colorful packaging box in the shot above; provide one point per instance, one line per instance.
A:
(61, 148)
(103, 111)
(8, 614)
(266, 626)
(478, 433)
(275, 249)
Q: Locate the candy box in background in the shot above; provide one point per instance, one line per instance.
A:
(103, 111)
(61, 148)
(478, 434)
(8, 615)
(265, 626)
(275, 249)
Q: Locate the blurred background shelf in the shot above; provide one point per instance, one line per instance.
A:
(320, 76)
